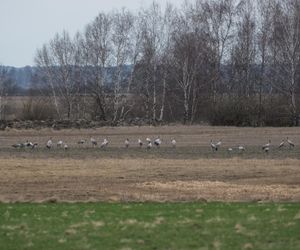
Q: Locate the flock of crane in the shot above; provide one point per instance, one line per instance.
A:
(148, 144)
(60, 144)
(266, 147)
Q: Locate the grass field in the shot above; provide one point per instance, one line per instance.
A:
(186, 197)
(150, 226)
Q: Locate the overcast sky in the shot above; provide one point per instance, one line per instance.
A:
(26, 25)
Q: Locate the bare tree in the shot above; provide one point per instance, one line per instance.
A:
(152, 67)
(218, 16)
(263, 37)
(60, 60)
(122, 25)
(189, 61)
(189, 50)
(44, 63)
(134, 57)
(285, 49)
(97, 53)
(244, 51)
(166, 44)
(8, 87)
(151, 25)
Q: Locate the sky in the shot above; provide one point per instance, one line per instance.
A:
(26, 25)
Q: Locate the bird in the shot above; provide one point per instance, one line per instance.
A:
(148, 139)
(27, 144)
(66, 146)
(267, 149)
(17, 145)
(173, 142)
(140, 142)
(149, 145)
(157, 142)
(229, 150)
(281, 144)
(104, 143)
(49, 144)
(213, 146)
(127, 143)
(266, 145)
(34, 145)
(241, 148)
(81, 142)
(291, 144)
(59, 144)
(218, 144)
(94, 142)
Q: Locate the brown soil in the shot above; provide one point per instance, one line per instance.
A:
(185, 135)
(234, 179)
(86, 175)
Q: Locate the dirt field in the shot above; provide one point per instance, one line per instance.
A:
(190, 172)
(185, 135)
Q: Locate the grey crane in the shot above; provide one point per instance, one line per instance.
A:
(213, 146)
(291, 144)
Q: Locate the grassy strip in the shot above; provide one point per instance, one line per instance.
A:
(150, 226)
(163, 152)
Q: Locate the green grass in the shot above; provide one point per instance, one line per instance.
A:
(150, 226)
(163, 152)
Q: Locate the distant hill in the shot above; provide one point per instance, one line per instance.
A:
(24, 76)
(21, 76)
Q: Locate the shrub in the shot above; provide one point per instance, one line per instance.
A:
(37, 109)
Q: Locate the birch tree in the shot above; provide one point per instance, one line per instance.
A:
(46, 68)
(122, 25)
(60, 60)
(244, 51)
(263, 37)
(285, 42)
(97, 59)
(156, 29)
(189, 50)
(218, 16)
(151, 25)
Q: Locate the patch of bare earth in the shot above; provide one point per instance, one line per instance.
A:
(233, 179)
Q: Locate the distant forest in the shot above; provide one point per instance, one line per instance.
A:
(221, 62)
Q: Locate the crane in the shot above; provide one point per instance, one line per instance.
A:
(266, 145)
(157, 142)
(291, 144)
(104, 143)
(59, 144)
(94, 142)
(49, 144)
(140, 142)
(213, 146)
(281, 144)
(173, 142)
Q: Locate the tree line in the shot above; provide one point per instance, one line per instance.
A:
(224, 62)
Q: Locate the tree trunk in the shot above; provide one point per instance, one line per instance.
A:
(69, 110)
(294, 109)
(162, 109)
(101, 107)
(260, 123)
(154, 96)
(0, 107)
(54, 96)
(186, 107)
